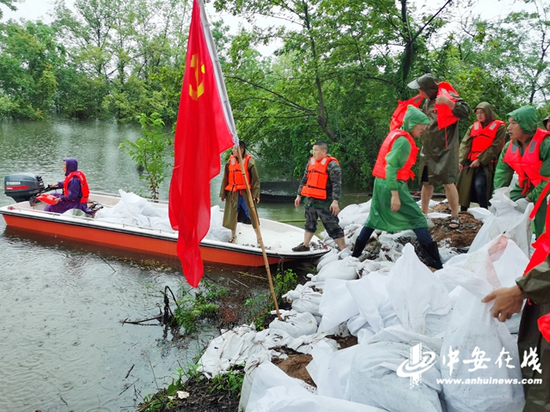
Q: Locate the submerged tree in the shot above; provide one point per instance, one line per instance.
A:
(150, 152)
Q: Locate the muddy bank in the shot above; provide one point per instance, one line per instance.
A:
(205, 395)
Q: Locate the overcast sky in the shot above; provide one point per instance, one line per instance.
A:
(39, 9)
(489, 9)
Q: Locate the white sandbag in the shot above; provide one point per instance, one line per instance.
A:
(438, 215)
(295, 324)
(360, 219)
(329, 369)
(368, 266)
(480, 213)
(415, 292)
(475, 333)
(432, 203)
(508, 218)
(370, 296)
(357, 323)
(274, 391)
(337, 304)
(348, 214)
(373, 380)
(338, 269)
(331, 256)
(508, 267)
(235, 346)
(306, 343)
(365, 207)
(229, 345)
(216, 230)
(135, 210)
(304, 299)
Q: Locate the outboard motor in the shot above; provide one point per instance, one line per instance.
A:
(22, 186)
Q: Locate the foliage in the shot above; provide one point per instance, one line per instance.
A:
(227, 384)
(204, 304)
(260, 306)
(29, 57)
(150, 151)
(230, 381)
(335, 69)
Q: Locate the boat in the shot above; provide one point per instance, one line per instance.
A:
(278, 192)
(278, 238)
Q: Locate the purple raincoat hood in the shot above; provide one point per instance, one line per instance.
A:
(72, 165)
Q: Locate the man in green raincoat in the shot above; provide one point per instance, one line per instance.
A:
(531, 147)
(392, 208)
(478, 154)
(533, 347)
(439, 155)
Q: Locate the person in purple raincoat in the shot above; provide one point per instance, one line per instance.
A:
(75, 190)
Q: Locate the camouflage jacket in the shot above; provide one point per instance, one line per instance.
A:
(334, 187)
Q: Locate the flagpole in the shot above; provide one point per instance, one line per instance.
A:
(231, 124)
(252, 204)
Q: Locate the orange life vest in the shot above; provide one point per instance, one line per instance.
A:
(399, 113)
(405, 173)
(445, 116)
(317, 178)
(528, 165)
(542, 250)
(83, 185)
(235, 179)
(483, 137)
(47, 198)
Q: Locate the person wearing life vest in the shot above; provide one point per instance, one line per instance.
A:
(478, 154)
(392, 207)
(233, 190)
(438, 161)
(321, 187)
(546, 123)
(528, 154)
(75, 190)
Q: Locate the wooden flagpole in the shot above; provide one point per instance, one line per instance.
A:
(228, 113)
(258, 231)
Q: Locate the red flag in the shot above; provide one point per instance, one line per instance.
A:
(202, 133)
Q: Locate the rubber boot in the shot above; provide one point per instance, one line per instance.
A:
(431, 253)
(359, 246)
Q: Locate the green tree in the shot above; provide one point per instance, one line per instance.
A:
(29, 58)
(150, 152)
(136, 47)
(337, 75)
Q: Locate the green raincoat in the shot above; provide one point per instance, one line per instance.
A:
(440, 147)
(232, 198)
(409, 215)
(527, 119)
(535, 285)
(487, 158)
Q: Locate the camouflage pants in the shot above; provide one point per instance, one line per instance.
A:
(330, 222)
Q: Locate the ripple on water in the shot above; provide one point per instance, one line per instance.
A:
(65, 344)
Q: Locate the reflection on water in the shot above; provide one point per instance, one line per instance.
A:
(62, 303)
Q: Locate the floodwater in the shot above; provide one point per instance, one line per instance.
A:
(63, 346)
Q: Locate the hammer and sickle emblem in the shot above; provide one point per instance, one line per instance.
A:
(196, 93)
